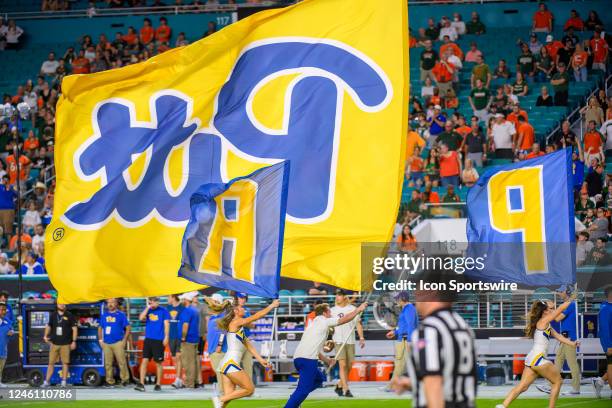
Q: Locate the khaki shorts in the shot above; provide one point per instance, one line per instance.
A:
(59, 352)
(347, 353)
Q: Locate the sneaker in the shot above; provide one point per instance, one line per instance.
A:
(44, 385)
(500, 406)
(572, 392)
(63, 384)
(543, 388)
(140, 387)
(108, 385)
(157, 387)
(176, 384)
(2, 385)
(597, 385)
(125, 384)
(338, 390)
(216, 402)
(348, 394)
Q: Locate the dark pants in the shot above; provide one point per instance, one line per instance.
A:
(504, 154)
(561, 98)
(310, 379)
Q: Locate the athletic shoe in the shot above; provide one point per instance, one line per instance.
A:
(348, 394)
(338, 390)
(500, 406)
(572, 392)
(125, 384)
(597, 385)
(44, 385)
(176, 384)
(107, 385)
(216, 402)
(2, 385)
(157, 387)
(543, 388)
(140, 387)
(63, 384)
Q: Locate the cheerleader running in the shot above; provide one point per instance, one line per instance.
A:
(538, 328)
(236, 382)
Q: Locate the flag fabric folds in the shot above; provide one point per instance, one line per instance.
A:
(309, 84)
(521, 221)
(234, 238)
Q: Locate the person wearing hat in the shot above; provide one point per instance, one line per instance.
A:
(157, 335)
(189, 327)
(553, 46)
(241, 299)
(560, 83)
(61, 335)
(407, 322)
(6, 330)
(215, 339)
(113, 333)
(344, 340)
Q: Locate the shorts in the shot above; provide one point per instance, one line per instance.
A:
(536, 360)
(229, 365)
(153, 350)
(59, 352)
(175, 346)
(347, 353)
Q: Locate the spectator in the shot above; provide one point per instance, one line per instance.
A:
(481, 71)
(534, 45)
(449, 137)
(599, 254)
(429, 196)
(212, 28)
(553, 47)
(525, 63)
(574, 21)
(181, 41)
(514, 115)
(413, 141)
(436, 123)
(544, 99)
(157, 326)
(449, 31)
(589, 218)
(147, 33)
(450, 166)
(80, 65)
(599, 229)
(450, 100)
(458, 24)
(606, 131)
(130, 39)
(163, 32)
(449, 45)
(600, 49)
(526, 135)
(429, 57)
(469, 175)
(432, 31)
(594, 181)
(473, 54)
(502, 70)
(7, 205)
(26, 239)
(11, 164)
(455, 61)
(49, 67)
(573, 38)
(476, 144)
(5, 267)
(480, 100)
(560, 83)
(432, 166)
(61, 335)
(38, 240)
(593, 112)
(462, 129)
(406, 242)
(544, 65)
(593, 21)
(594, 143)
(602, 99)
(11, 33)
(566, 137)
(542, 20)
(520, 87)
(579, 64)
(32, 266)
(316, 289)
(475, 26)
(583, 205)
(503, 133)
(535, 151)
(427, 90)
(31, 217)
(450, 196)
(564, 55)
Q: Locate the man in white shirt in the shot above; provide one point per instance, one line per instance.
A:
(49, 67)
(503, 134)
(309, 351)
(345, 355)
(458, 24)
(449, 30)
(606, 131)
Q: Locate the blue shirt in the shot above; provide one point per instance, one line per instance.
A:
(113, 326)
(407, 323)
(436, 129)
(36, 269)
(578, 170)
(7, 195)
(175, 312)
(9, 314)
(567, 326)
(191, 316)
(214, 335)
(5, 326)
(605, 326)
(246, 330)
(154, 327)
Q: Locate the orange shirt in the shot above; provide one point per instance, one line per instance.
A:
(533, 154)
(526, 130)
(575, 22)
(433, 197)
(579, 58)
(436, 100)
(463, 130)
(406, 245)
(11, 164)
(542, 19)
(162, 33)
(600, 49)
(456, 50)
(416, 164)
(412, 141)
(449, 165)
(25, 238)
(451, 103)
(442, 73)
(80, 66)
(31, 144)
(146, 34)
(592, 142)
(513, 117)
(130, 39)
(553, 48)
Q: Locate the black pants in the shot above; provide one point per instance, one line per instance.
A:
(561, 98)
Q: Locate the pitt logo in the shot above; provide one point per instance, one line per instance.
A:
(149, 170)
(153, 317)
(110, 319)
(516, 205)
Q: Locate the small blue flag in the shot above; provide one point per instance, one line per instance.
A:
(234, 238)
(521, 221)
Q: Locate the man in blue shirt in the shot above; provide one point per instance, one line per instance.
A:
(215, 340)
(7, 205)
(113, 332)
(4, 295)
(157, 336)
(406, 323)
(568, 328)
(605, 338)
(174, 309)
(6, 330)
(189, 326)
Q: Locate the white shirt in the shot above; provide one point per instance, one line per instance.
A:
(459, 27)
(427, 90)
(31, 218)
(314, 337)
(502, 135)
(12, 36)
(5, 269)
(346, 330)
(456, 61)
(31, 99)
(606, 130)
(450, 31)
(38, 239)
(49, 67)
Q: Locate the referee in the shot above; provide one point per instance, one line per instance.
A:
(442, 363)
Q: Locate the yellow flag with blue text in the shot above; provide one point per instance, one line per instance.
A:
(321, 84)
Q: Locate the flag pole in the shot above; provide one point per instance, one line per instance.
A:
(270, 344)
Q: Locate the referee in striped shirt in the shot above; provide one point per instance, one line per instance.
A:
(442, 364)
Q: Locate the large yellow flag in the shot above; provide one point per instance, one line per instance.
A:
(322, 84)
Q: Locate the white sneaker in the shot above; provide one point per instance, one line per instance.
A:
(597, 385)
(63, 384)
(500, 406)
(216, 402)
(543, 388)
(44, 385)
(572, 392)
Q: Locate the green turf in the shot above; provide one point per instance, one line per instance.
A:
(482, 403)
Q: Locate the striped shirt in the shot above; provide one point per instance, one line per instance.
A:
(443, 345)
